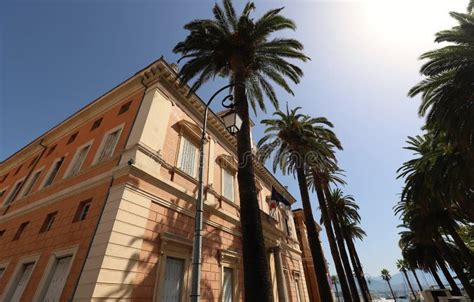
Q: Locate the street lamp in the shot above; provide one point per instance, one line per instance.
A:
(232, 122)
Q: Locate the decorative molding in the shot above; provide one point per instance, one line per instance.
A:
(227, 162)
(191, 130)
(229, 256)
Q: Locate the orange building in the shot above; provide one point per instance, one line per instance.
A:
(307, 258)
(101, 207)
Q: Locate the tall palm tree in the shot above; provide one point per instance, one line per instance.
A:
(402, 266)
(352, 231)
(447, 275)
(447, 99)
(385, 274)
(337, 197)
(244, 50)
(348, 218)
(290, 137)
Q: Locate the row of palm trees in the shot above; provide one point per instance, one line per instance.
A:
(246, 51)
(305, 146)
(437, 199)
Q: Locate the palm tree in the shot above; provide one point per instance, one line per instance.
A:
(446, 91)
(347, 215)
(291, 136)
(427, 212)
(352, 231)
(245, 51)
(402, 267)
(385, 274)
(334, 198)
(447, 101)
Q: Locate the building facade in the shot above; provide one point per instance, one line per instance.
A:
(307, 258)
(101, 207)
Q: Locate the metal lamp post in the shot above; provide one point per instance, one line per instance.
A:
(232, 123)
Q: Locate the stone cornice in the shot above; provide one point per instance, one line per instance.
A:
(158, 71)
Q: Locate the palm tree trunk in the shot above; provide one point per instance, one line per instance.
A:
(313, 238)
(332, 241)
(436, 277)
(454, 264)
(257, 283)
(391, 290)
(361, 269)
(409, 283)
(467, 254)
(416, 278)
(340, 243)
(444, 269)
(358, 269)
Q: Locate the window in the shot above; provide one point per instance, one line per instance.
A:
(54, 172)
(32, 162)
(173, 280)
(51, 150)
(72, 138)
(82, 210)
(125, 107)
(48, 222)
(1, 233)
(14, 193)
(79, 160)
(20, 282)
(228, 285)
(2, 271)
(56, 279)
(31, 183)
(298, 289)
(2, 192)
(96, 124)
(4, 178)
(189, 157)
(20, 230)
(17, 170)
(287, 226)
(228, 184)
(109, 145)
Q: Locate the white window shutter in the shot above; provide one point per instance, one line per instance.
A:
(228, 286)
(21, 282)
(188, 157)
(174, 275)
(228, 184)
(57, 280)
(108, 148)
(81, 156)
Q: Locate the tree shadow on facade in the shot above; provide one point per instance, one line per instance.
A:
(140, 277)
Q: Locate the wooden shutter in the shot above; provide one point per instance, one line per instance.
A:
(55, 284)
(32, 183)
(109, 145)
(53, 173)
(228, 286)
(81, 156)
(21, 282)
(228, 185)
(174, 275)
(188, 157)
(14, 193)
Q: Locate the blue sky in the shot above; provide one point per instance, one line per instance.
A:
(57, 56)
